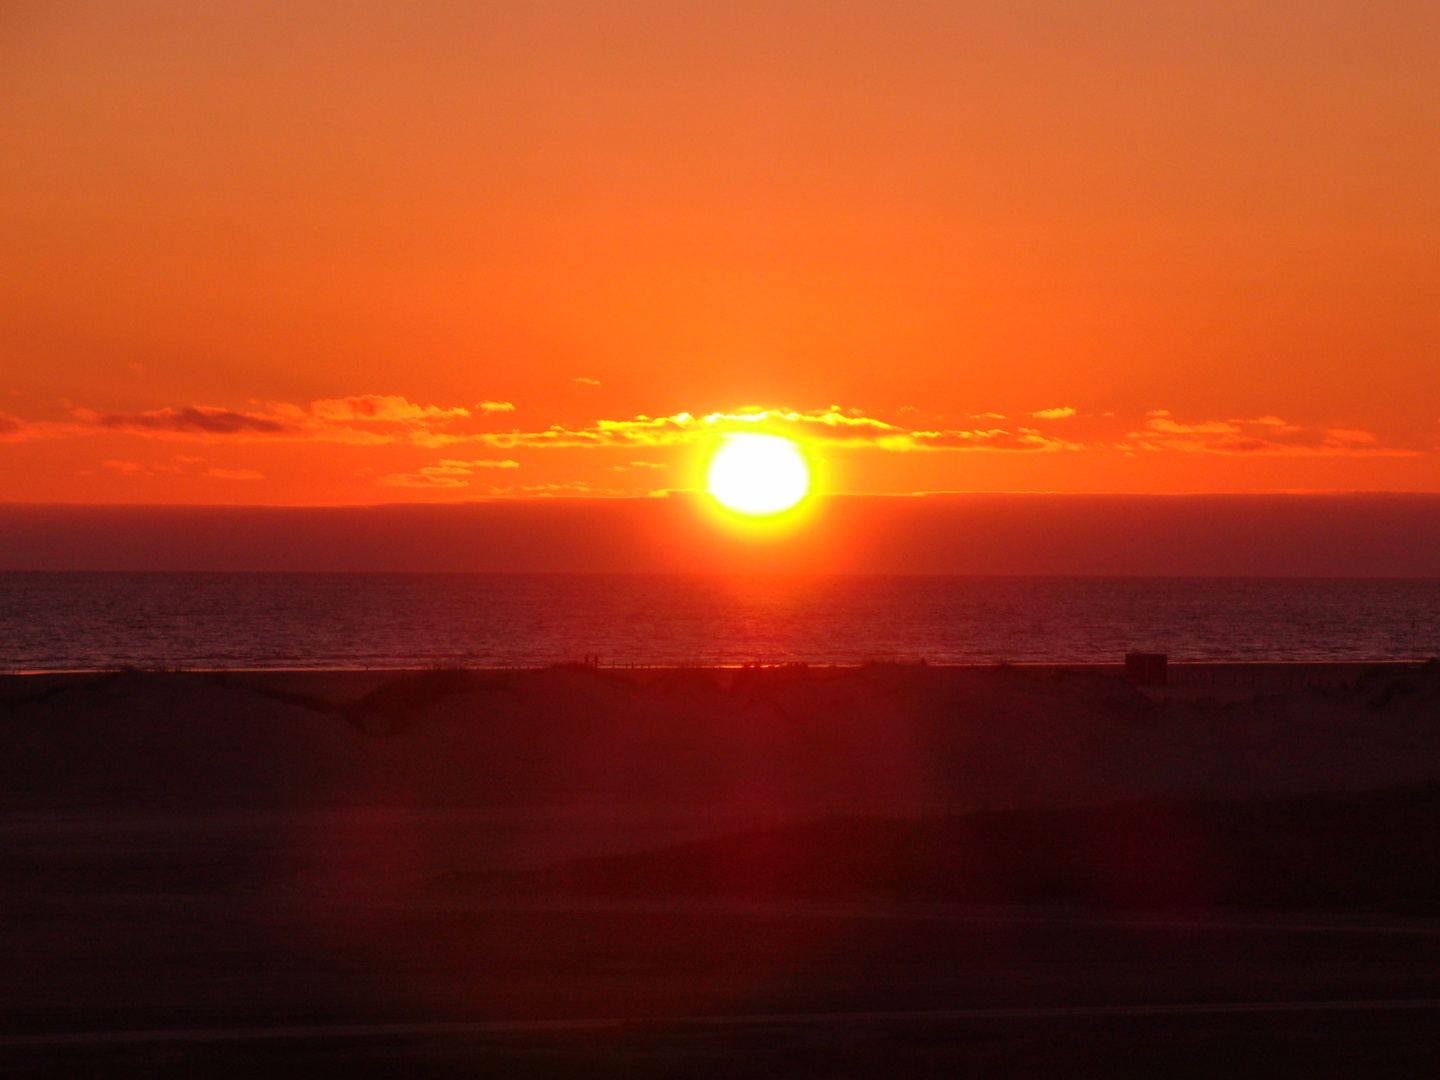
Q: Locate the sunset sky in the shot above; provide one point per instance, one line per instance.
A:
(326, 253)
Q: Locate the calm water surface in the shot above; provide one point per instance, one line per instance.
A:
(95, 620)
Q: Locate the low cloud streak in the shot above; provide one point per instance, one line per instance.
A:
(1263, 435)
(832, 427)
(369, 421)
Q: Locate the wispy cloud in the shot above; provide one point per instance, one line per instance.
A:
(14, 429)
(833, 426)
(1262, 435)
(235, 474)
(175, 466)
(193, 420)
(361, 419)
(375, 420)
(424, 478)
(445, 473)
(638, 465)
(385, 408)
(574, 487)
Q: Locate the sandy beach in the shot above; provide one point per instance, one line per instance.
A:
(384, 781)
(790, 741)
(366, 853)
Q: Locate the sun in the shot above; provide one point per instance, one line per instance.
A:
(757, 474)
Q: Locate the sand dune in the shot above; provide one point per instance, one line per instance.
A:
(790, 740)
(196, 851)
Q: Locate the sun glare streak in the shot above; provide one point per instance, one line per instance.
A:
(757, 475)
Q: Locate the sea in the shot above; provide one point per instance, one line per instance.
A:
(96, 621)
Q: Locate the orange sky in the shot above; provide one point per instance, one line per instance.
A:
(351, 252)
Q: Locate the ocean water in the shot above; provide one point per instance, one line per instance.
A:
(98, 620)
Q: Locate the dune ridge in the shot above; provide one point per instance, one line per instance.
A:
(883, 738)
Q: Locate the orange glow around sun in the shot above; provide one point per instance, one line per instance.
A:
(758, 475)
(248, 257)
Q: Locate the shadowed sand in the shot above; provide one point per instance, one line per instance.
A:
(784, 740)
(328, 849)
(386, 780)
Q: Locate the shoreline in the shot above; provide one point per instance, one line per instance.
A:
(1260, 675)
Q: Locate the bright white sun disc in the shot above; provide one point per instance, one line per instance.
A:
(758, 474)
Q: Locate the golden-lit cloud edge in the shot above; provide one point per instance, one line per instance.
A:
(833, 427)
(389, 420)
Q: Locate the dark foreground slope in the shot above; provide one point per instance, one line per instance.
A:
(794, 740)
(303, 875)
(1376, 851)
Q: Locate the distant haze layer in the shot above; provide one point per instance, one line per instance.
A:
(1301, 535)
